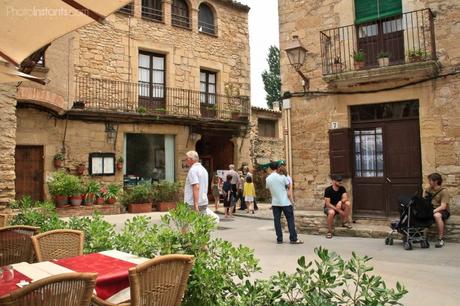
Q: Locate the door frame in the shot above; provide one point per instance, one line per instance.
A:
(42, 187)
(372, 124)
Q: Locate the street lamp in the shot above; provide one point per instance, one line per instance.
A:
(296, 55)
(110, 132)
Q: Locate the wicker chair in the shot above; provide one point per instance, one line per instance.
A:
(160, 281)
(4, 220)
(16, 245)
(58, 244)
(68, 289)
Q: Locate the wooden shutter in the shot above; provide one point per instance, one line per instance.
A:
(372, 10)
(340, 152)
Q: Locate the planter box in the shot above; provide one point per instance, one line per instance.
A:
(384, 61)
(166, 206)
(139, 208)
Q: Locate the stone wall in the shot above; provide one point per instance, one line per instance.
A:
(312, 115)
(7, 143)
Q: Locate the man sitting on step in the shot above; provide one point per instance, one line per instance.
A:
(336, 202)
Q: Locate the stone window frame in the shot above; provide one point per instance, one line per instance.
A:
(213, 10)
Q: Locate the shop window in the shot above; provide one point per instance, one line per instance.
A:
(267, 128)
(150, 157)
(102, 164)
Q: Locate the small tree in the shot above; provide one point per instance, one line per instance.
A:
(272, 77)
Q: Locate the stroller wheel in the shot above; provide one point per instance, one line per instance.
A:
(390, 242)
(407, 245)
(424, 244)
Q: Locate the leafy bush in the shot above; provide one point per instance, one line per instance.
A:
(98, 232)
(25, 201)
(138, 194)
(62, 183)
(113, 190)
(40, 214)
(165, 191)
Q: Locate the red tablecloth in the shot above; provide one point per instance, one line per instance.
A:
(7, 287)
(112, 272)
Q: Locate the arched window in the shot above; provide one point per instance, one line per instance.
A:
(206, 22)
(180, 14)
(152, 9)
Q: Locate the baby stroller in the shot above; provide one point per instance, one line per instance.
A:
(416, 215)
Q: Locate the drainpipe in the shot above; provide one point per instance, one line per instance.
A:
(288, 134)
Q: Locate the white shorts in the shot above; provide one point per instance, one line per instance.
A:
(249, 198)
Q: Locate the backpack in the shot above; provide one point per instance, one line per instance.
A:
(423, 207)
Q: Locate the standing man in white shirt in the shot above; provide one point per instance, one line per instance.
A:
(196, 184)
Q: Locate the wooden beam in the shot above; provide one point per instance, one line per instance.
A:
(90, 13)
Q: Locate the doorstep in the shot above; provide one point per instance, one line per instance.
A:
(84, 210)
(314, 223)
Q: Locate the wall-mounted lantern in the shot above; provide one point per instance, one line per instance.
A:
(296, 54)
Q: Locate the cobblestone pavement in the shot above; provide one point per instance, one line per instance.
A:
(431, 275)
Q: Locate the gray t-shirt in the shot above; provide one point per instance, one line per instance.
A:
(277, 184)
(197, 174)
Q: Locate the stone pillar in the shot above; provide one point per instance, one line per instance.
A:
(7, 143)
(194, 19)
(167, 10)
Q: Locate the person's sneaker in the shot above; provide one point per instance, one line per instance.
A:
(439, 244)
(279, 242)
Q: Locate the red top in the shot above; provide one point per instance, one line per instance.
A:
(112, 272)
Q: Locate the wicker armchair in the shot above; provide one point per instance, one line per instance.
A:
(16, 245)
(68, 289)
(160, 281)
(58, 244)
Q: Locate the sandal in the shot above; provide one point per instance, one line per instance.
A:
(329, 235)
(297, 242)
(347, 225)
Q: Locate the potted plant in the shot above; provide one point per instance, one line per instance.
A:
(141, 110)
(112, 193)
(58, 160)
(417, 55)
(120, 161)
(383, 58)
(75, 190)
(138, 199)
(81, 168)
(337, 66)
(166, 195)
(92, 189)
(58, 189)
(100, 195)
(358, 57)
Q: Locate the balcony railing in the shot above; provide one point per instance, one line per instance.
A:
(402, 39)
(207, 28)
(148, 99)
(152, 14)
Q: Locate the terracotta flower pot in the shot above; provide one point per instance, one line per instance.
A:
(119, 166)
(359, 65)
(384, 61)
(76, 200)
(166, 206)
(58, 163)
(111, 200)
(61, 201)
(140, 208)
(100, 201)
(81, 170)
(90, 198)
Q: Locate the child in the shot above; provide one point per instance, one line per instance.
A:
(228, 196)
(249, 194)
(216, 191)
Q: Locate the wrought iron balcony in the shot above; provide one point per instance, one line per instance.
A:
(407, 38)
(156, 100)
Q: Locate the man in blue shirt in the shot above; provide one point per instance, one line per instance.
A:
(279, 188)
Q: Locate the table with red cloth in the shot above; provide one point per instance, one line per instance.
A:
(112, 272)
(111, 266)
(9, 286)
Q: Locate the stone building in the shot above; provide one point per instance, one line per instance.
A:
(154, 80)
(382, 104)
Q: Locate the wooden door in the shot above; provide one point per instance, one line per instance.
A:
(29, 172)
(387, 165)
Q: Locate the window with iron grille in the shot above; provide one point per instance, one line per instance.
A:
(152, 69)
(128, 9)
(267, 128)
(369, 153)
(206, 22)
(208, 81)
(152, 10)
(180, 14)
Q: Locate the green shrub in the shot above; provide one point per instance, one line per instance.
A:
(25, 201)
(165, 191)
(138, 194)
(40, 214)
(62, 183)
(138, 236)
(113, 191)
